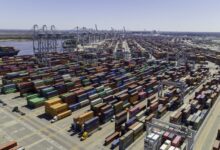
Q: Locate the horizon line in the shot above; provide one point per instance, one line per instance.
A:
(180, 31)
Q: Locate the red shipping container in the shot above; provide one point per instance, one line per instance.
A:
(8, 145)
(119, 115)
(166, 135)
(176, 141)
(154, 106)
(142, 95)
(79, 92)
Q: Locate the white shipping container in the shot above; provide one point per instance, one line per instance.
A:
(167, 142)
(164, 147)
(157, 138)
(107, 89)
(172, 148)
(94, 96)
(100, 87)
(96, 101)
(142, 119)
(109, 92)
(150, 136)
(84, 103)
(140, 114)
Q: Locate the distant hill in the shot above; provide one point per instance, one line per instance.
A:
(15, 34)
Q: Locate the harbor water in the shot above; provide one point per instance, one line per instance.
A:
(25, 46)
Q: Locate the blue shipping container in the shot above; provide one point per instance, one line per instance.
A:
(115, 143)
(91, 124)
(130, 122)
(107, 115)
(74, 107)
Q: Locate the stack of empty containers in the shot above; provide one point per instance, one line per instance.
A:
(79, 121)
(162, 108)
(152, 141)
(195, 120)
(188, 116)
(34, 100)
(49, 81)
(60, 87)
(104, 111)
(132, 90)
(172, 141)
(164, 141)
(114, 138)
(76, 99)
(55, 107)
(118, 107)
(15, 77)
(38, 84)
(66, 77)
(91, 125)
(70, 99)
(120, 118)
(124, 97)
(150, 87)
(69, 85)
(97, 97)
(25, 87)
(176, 117)
(9, 88)
(107, 113)
(152, 106)
(137, 129)
(126, 140)
(134, 111)
(49, 92)
(202, 103)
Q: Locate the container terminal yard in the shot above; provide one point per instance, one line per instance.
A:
(111, 90)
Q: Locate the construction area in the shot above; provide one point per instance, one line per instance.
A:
(92, 89)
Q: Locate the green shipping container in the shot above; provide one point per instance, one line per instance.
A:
(35, 102)
(10, 90)
(32, 96)
(69, 84)
(102, 94)
(63, 96)
(100, 88)
(46, 90)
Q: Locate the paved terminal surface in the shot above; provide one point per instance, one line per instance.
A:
(125, 46)
(35, 132)
(116, 48)
(127, 49)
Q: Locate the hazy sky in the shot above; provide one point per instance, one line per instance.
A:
(163, 15)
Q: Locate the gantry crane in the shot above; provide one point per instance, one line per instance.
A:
(44, 42)
(178, 84)
(187, 133)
